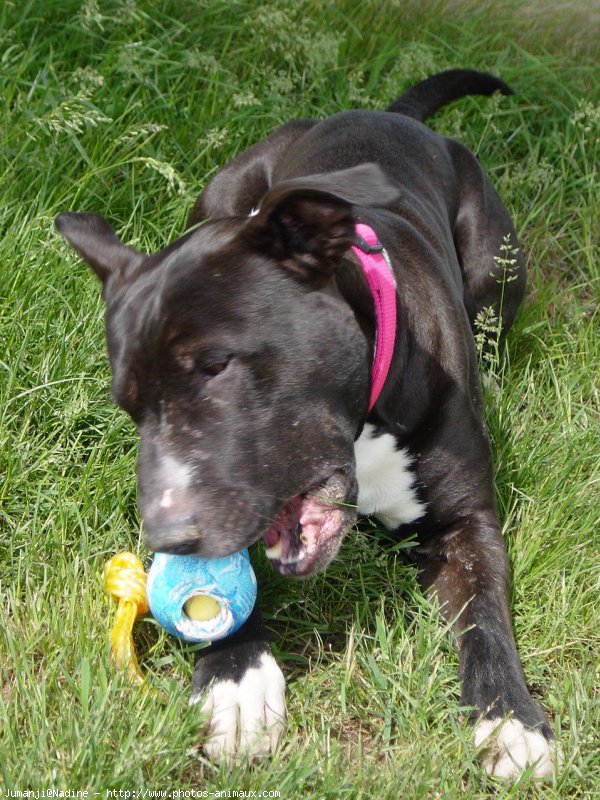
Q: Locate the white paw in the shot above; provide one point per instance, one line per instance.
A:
(510, 748)
(248, 717)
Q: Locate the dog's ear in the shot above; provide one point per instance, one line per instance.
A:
(307, 224)
(97, 243)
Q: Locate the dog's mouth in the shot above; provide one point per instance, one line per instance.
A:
(308, 530)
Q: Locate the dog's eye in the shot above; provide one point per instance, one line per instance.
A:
(214, 368)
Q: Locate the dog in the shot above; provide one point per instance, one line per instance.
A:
(306, 351)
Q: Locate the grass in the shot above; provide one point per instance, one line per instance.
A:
(127, 108)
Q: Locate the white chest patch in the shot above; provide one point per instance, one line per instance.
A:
(385, 480)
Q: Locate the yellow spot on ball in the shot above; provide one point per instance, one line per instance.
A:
(201, 607)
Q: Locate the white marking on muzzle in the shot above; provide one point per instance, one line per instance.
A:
(175, 475)
(166, 501)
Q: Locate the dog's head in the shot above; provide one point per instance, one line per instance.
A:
(244, 370)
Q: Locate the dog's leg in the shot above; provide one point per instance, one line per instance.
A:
(236, 190)
(467, 568)
(242, 689)
(492, 265)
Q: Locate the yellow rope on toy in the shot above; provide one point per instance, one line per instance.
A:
(125, 581)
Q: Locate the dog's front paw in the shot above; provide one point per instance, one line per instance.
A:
(509, 748)
(246, 713)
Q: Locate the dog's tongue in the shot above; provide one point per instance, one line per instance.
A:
(307, 531)
(271, 537)
(287, 519)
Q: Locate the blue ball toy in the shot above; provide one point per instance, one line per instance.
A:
(201, 599)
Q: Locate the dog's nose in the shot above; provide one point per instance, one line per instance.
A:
(180, 549)
(170, 521)
(178, 536)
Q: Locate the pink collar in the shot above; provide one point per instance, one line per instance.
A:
(380, 277)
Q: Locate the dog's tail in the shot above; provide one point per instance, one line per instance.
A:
(426, 97)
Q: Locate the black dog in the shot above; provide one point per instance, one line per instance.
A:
(243, 352)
